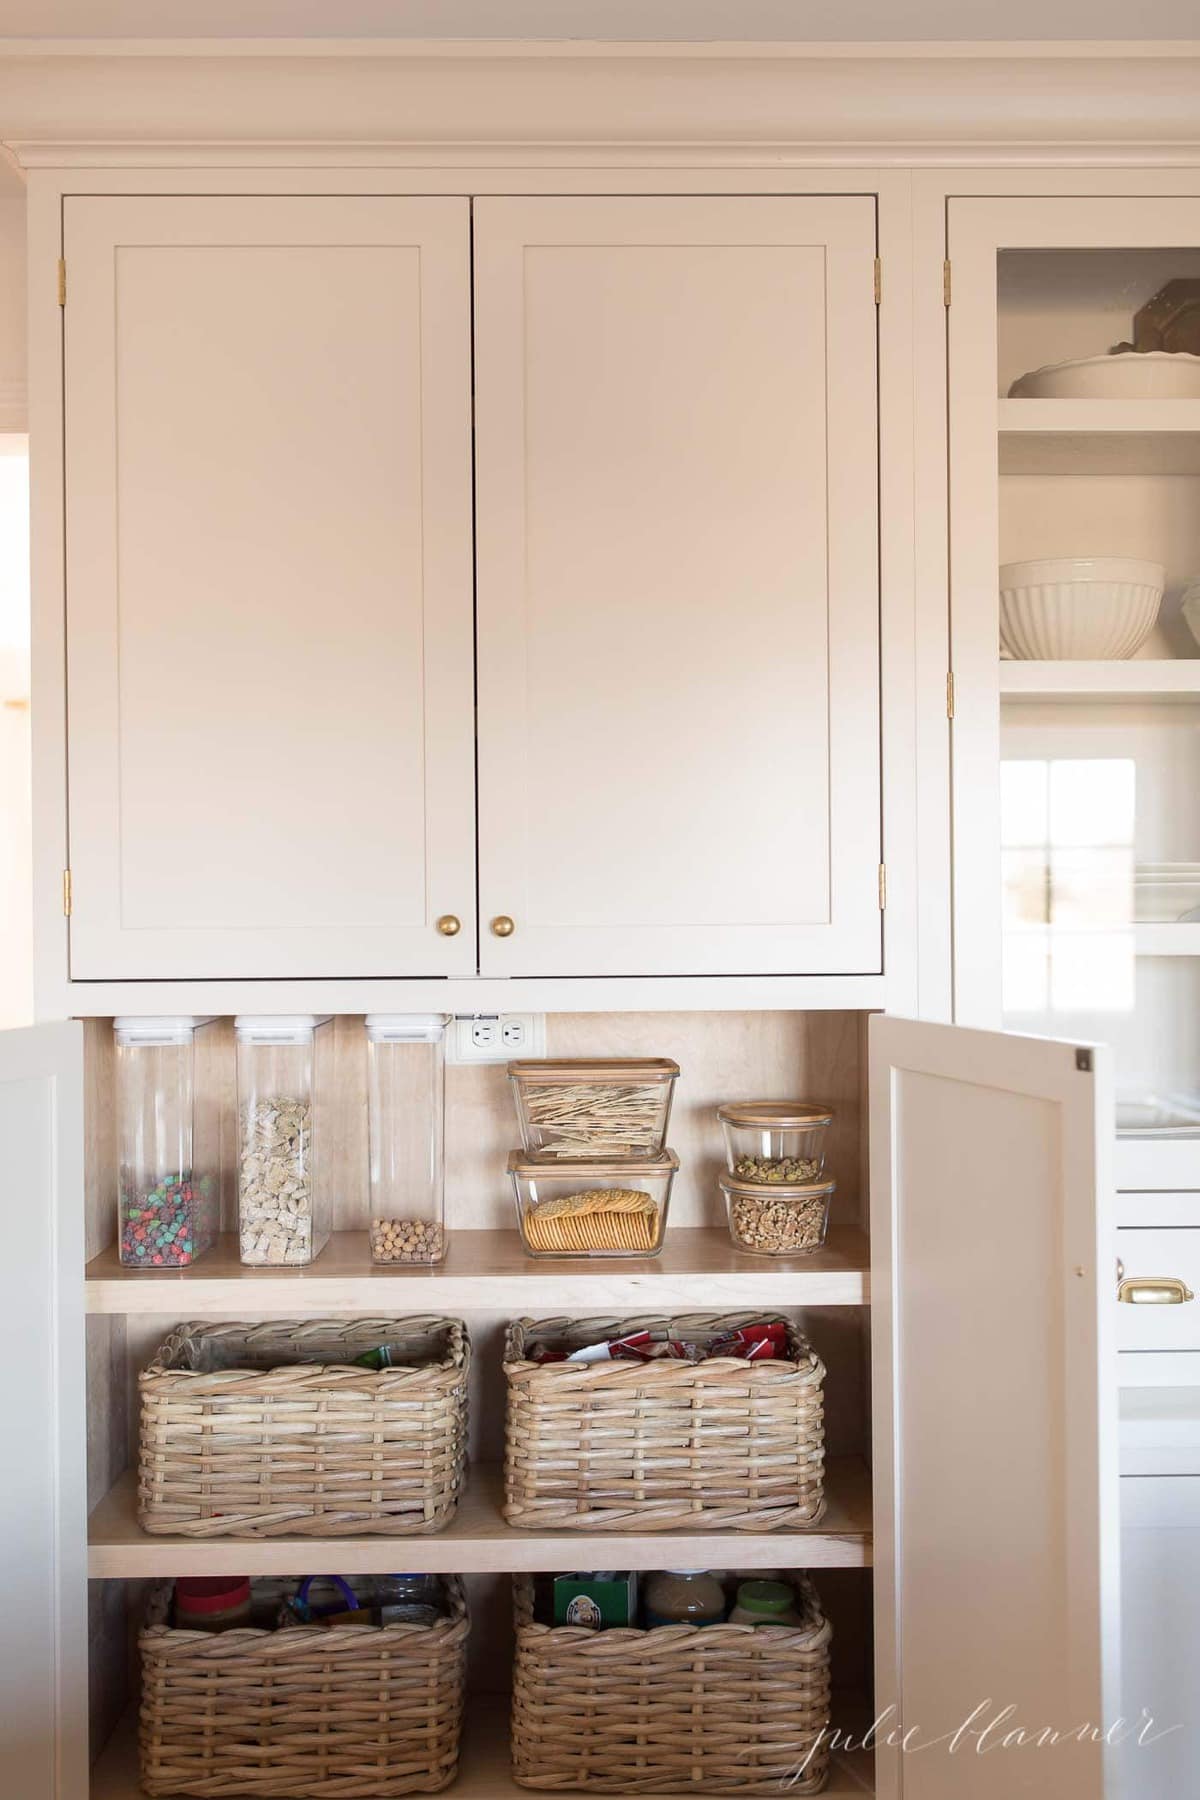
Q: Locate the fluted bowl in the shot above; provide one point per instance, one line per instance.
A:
(1078, 608)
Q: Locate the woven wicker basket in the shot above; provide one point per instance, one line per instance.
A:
(661, 1446)
(241, 1438)
(356, 1712)
(723, 1709)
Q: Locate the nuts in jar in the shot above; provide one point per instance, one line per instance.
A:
(777, 1221)
(407, 1241)
(770, 1170)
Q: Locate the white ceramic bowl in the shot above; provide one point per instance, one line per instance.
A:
(1128, 375)
(1075, 608)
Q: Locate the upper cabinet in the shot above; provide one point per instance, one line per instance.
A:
(269, 586)
(271, 544)
(677, 585)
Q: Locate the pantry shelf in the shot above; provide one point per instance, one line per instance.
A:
(1141, 679)
(478, 1539)
(698, 1267)
(484, 1770)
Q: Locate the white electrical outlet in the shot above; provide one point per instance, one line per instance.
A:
(496, 1037)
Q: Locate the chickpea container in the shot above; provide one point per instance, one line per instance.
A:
(283, 1214)
(406, 1087)
(168, 1197)
(777, 1219)
(780, 1142)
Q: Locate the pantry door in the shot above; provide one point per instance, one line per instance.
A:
(269, 586)
(678, 604)
(43, 1507)
(996, 1507)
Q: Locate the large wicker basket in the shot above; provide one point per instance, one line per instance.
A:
(661, 1446)
(719, 1709)
(349, 1712)
(266, 1431)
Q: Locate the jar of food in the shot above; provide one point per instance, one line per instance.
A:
(405, 1111)
(683, 1597)
(282, 1212)
(765, 1603)
(778, 1142)
(168, 1199)
(212, 1602)
(777, 1221)
(594, 1106)
(612, 1208)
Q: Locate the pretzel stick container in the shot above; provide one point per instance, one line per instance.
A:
(599, 1107)
(592, 1208)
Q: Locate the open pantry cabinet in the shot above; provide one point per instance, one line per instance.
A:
(969, 1394)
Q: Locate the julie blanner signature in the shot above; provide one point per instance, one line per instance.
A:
(985, 1730)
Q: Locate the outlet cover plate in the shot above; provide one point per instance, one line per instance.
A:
(496, 1037)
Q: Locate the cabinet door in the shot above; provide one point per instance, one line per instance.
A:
(43, 1509)
(996, 1506)
(269, 588)
(678, 585)
(1160, 1635)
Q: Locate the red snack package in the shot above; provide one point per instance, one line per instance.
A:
(613, 1349)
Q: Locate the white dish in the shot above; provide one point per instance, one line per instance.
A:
(1078, 608)
(1127, 375)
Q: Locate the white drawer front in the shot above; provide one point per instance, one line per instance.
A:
(1169, 1255)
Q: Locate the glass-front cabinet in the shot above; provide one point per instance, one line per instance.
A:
(1074, 374)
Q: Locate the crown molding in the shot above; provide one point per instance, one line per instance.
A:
(823, 103)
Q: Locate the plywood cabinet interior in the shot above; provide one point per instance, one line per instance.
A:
(268, 585)
(678, 590)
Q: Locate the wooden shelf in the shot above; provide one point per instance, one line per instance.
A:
(478, 1539)
(484, 1770)
(1099, 437)
(1142, 679)
(1098, 415)
(698, 1267)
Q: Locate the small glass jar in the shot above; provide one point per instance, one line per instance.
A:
(765, 1603)
(775, 1142)
(282, 1210)
(405, 1122)
(593, 1107)
(777, 1221)
(168, 1198)
(683, 1597)
(612, 1208)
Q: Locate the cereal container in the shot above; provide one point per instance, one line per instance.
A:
(168, 1199)
(282, 1211)
(405, 1108)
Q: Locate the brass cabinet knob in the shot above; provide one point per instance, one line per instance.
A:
(503, 926)
(448, 925)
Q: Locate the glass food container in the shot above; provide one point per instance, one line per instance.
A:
(779, 1219)
(405, 1113)
(616, 1207)
(775, 1141)
(168, 1199)
(282, 1211)
(594, 1107)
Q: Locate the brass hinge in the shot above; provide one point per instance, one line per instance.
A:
(62, 282)
(878, 281)
(883, 887)
(950, 694)
(946, 282)
(67, 892)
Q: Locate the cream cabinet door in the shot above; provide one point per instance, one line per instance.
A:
(677, 585)
(269, 586)
(43, 1493)
(996, 1460)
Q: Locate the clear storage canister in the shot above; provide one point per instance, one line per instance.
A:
(405, 1109)
(775, 1141)
(617, 1207)
(168, 1198)
(282, 1211)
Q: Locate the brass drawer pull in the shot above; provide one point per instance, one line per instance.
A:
(503, 926)
(448, 925)
(1154, 1290)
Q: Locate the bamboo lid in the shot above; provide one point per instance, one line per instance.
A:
(774, 1190)
(632, 1070)
(775, 1115)
(584, 1168)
